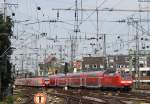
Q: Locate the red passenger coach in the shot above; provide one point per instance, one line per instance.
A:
(75, 79)
(61, 80)
(31, 82)
(52, 80)
(94, 79)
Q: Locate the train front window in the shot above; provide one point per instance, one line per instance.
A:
(125, 75)
(110, 72)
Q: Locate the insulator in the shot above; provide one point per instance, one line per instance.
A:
(38, 8)
(57, 14)
(75, 14)
(146, 39)
(142, 38)
(13, 14)
(85, 36)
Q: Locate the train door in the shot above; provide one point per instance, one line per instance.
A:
(108, 79)
(75, 80)
(62, 80)
(92, 79)
(52, 81)
(82, 79)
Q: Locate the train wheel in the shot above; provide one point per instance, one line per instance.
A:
(127, 89)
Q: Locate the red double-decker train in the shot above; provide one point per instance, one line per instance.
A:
(95, 79)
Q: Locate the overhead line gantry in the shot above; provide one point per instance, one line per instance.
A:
(105, 9)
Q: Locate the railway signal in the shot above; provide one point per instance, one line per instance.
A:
(40, 98)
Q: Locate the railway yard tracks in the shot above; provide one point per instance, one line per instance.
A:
(100, 97)
(84, 96)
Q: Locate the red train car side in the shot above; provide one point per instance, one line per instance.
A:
(94, 79)
(32, 82)
(97, 79)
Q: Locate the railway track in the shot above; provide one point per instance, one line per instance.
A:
(25, 95)
(73, 99)
(84, 96)
(100, 97)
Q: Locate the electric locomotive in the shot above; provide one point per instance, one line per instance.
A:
(95, 79)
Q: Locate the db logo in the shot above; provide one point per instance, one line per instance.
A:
(40, 98)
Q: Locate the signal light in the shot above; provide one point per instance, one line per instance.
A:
(118, 37)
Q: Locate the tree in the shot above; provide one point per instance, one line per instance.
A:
(5, 51)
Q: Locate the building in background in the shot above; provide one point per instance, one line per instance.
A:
(77, 65)
(118, 61)
(93, 63)
(48, 67)
(51, 65)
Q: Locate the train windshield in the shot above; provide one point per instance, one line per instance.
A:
(125, 75)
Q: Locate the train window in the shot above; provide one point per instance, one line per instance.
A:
(94, 66)
(87, 66)
(90, 66)
(125, 75)
(111, 60)
(148, 73)
(141, 65)
(101, 66)
(110, 72)
(144, 73)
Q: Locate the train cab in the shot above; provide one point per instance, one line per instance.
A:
(117, 79)
(126, 79)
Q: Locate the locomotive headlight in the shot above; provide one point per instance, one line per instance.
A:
(126, 82)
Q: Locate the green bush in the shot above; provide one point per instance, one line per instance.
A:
(9, 100)
(1, 103)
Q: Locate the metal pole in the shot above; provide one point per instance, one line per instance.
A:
(37, 64)
(104, 51)
(137, 57)
(97, 28)
(104, 45)
(0, 86)
(22, 64)
(5, 9)
(72, 56)
(130, 62)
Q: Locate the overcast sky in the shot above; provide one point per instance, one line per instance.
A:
(27, 33)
